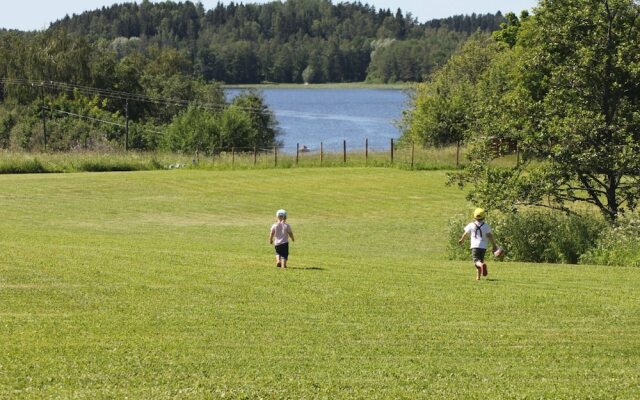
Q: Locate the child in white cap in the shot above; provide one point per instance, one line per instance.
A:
(480, 235)
(279, 235)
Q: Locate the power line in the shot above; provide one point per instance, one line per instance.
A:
(112, 94)
(120, 95)
(85, 117)
(98, 120)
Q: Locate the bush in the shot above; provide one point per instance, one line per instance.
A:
(618, 245)
(454, 250)
(534, 236)
(551, 237)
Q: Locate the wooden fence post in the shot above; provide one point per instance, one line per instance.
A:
(275, 155)
(457, 154)
(255, 155)
(344, 151)
(321, 153)
(233, 156)
(391, 150)
(366, 151)
(297, 153)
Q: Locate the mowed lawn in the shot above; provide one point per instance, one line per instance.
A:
(162, 285)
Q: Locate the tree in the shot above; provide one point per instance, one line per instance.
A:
(443, 107)
(235, 128)
(575, 96)
(264, 126)
(194, 129)
(510, 28)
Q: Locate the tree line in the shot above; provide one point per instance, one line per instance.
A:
(287, 42)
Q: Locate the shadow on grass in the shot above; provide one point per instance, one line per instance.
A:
(308, 268)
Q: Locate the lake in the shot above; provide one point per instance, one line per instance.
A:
(310, 116)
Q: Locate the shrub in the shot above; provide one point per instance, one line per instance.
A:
(551, 237)
(618, 245)
(454, 250)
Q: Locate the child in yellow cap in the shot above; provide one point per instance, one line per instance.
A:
(480, 235)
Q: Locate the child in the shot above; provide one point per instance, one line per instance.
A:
(479, 232)
(281, 232)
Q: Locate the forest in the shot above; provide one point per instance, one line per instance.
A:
(294, 41)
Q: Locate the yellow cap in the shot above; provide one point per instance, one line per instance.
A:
(478, 213)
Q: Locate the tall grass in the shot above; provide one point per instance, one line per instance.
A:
(617, 245)
(22, 163)
(403, 157)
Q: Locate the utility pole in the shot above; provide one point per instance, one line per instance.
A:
(126, 126)
(44, 117)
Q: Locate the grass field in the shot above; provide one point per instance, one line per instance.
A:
(161, 285)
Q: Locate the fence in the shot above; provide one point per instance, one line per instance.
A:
(404, 155)
(396, 156)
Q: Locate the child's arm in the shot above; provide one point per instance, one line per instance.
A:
(492, 240)
(291, 235)
(271, 235)
(463, 237)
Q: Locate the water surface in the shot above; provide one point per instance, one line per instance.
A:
(310, 116)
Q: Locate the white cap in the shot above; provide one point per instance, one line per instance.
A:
(281, 213)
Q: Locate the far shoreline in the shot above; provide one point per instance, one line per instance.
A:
(350, 85)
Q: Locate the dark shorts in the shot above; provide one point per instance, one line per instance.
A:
(282, 250)
(477, 254)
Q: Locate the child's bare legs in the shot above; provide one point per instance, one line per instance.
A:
(281, 261)
(478, 265)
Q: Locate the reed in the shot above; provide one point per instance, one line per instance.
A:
(403, 157)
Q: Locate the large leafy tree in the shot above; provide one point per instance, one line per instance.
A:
(243, 124)
(264, 126)
(444, 106)
(571, 96)
(195, 129)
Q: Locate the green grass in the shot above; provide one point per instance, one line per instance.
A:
(161, 285)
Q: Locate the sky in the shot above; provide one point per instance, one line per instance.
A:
(38, 14)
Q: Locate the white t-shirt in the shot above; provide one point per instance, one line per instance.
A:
(282, 231)
(478, 231)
